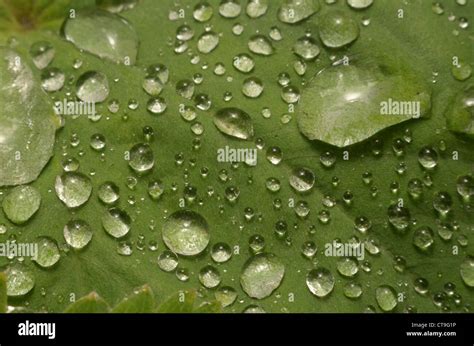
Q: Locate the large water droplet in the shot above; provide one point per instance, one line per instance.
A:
(234, 122)
(257, 8)
(103, 34)
(73, 189)
(345, 104)
(186, 232)
(42, 53)
(230, 8)
(52, 79)
(261, 275)
(21, 204)
(320, 282)
(209, 277)
(399, 217)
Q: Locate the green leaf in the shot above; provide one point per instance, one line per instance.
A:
(141, 300)
(410, 52)
(27, 125)
(182, 302)
(92, 303)
(3, 293)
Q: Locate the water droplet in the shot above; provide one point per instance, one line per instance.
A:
(302, 179)
(465, 187)
(116, 222)
(226, 296)
(20, 280)
(352, 290)
(294, 11)
(442, 202)
(155, 189)
(421, 286)
(207, 42)
(48, 252)
(257, 8)
(73, 189)
(103, 34)
(52, 79)
(142, 158)
(347, 266)
(386, 298)
(77, 234)
(184, 33)
(306, 48)
(415, 188)
(359, 4)
(461, 71)
(97, 142)
(156, 105)
(244, 63)
(399, 217)
(428, 157)
(221, 252)
(21, 203)
(320, 282)
(327, 159)
(459, 115)
(338, 29)
(168, 261)
(203, 12)
(467, 271)
(42, 53)
(185, 88)
(234, 122)
(186, 233)
(92, 87)
(209, 277)
(423, 238)
(252, 87)
(108, 193)
(230, 8)
(274, 155)
(261, 275)
(260, 45)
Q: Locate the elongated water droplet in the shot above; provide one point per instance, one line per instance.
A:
(261, 275)
(260, 45)
(116, 222)
(234, 122)
(103, 34)
(207, 42)
(294, 11)
(386, 298)
(186, 233)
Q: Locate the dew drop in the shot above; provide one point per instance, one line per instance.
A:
(21, 203)
(261, 275)
(77, 234)
(116, 222)
(320, 282)
(92, 87)
(234, 122)
(73, 189)
(20, 280)
(338, 29)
